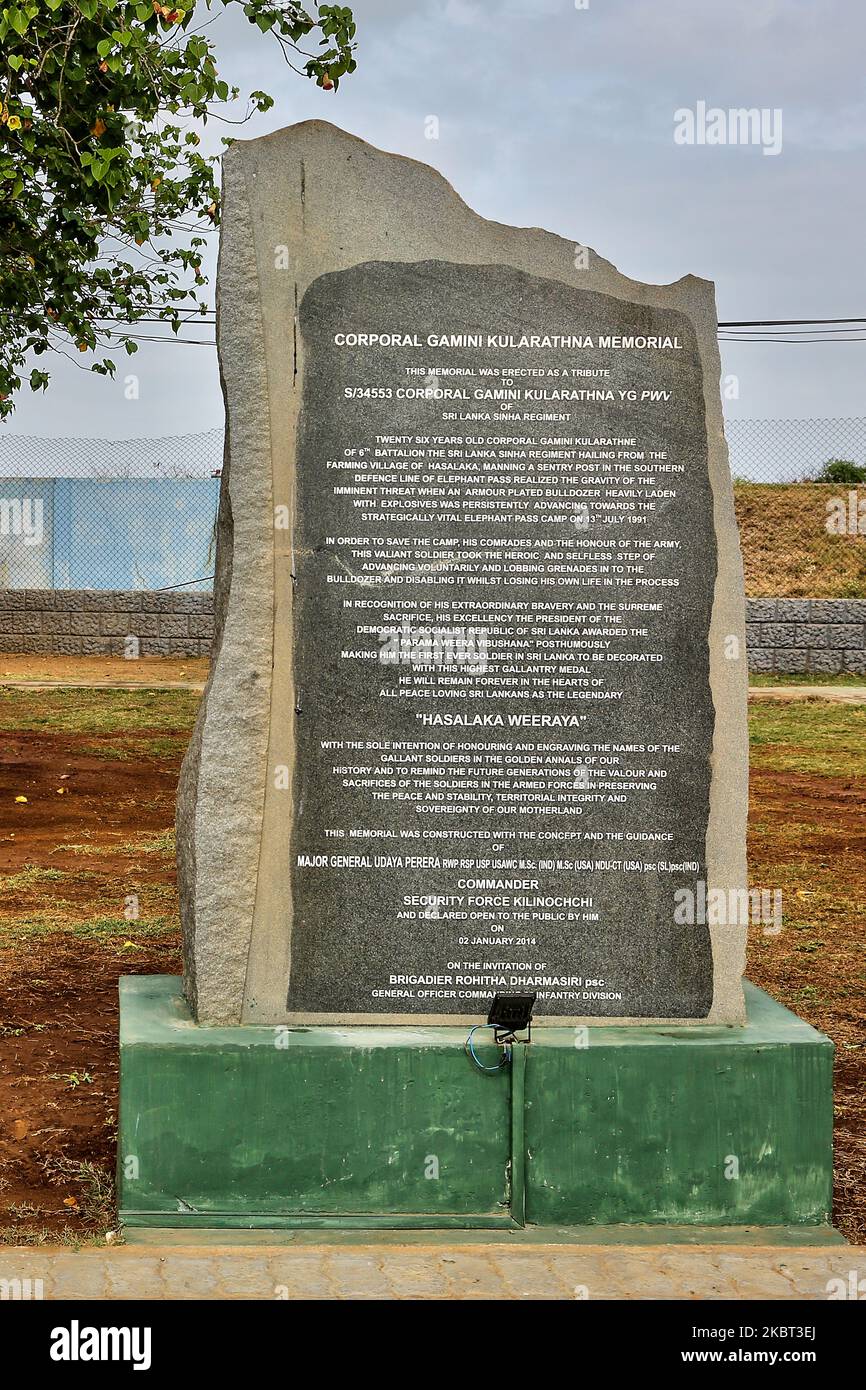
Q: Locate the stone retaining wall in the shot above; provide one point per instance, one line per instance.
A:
(90, 622)
(801, 635)
(784, 635)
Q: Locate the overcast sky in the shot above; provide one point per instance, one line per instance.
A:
(563, 118)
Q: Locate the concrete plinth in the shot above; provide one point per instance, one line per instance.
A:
(391, 1127)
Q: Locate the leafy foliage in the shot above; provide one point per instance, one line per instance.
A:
(842, 471)
(105, 197)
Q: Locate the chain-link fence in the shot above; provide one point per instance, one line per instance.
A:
(140, 514)
(136, 514)
(800, 493)
(794, 451)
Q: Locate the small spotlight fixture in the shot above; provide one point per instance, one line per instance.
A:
(511, 1014)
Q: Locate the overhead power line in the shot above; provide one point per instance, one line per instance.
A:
(775, 323)
(796, 342)
(729, 330)
(723, 323)
(792, 331)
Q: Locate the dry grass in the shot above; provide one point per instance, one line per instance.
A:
(788, 551)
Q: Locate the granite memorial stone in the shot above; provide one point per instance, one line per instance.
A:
(476, 714)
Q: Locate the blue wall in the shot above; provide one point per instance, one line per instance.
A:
(114, 533)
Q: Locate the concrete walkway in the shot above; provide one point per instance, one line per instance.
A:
(397, 1270)
(839, 694)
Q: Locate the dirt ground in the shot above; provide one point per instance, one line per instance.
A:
(87, 783)
(101, 670)
(88, 895)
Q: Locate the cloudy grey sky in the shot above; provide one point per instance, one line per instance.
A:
(563, 117)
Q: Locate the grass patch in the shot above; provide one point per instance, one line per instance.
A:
(111, 752)
(847, 678)
(32, 875)
(94, 1188)
(110, 930)
(98, 711)
(808, 736)
(118, 929)
(69, 1239)
(161, 843)
(88, 848)
(165, 747)
(137, 749)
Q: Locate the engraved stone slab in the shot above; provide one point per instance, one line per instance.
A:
(476, 719)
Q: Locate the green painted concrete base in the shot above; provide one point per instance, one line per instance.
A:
(394, 1128)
